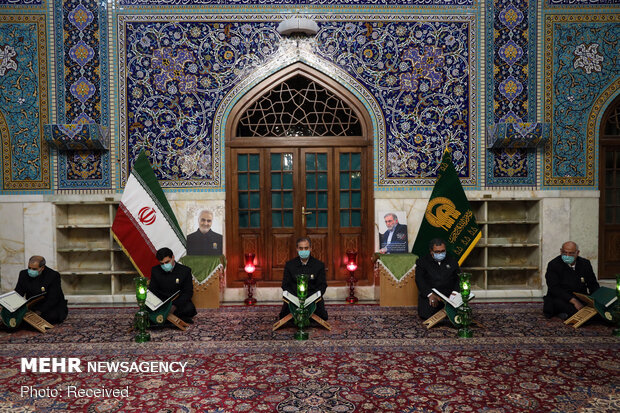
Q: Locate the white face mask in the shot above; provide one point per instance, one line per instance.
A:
(304, 254)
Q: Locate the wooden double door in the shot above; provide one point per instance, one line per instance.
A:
(278, 193)
(609, 182)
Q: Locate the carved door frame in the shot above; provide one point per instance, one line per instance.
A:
(609, 202)
(234, 144)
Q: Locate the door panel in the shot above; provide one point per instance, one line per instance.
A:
(281, 206)
(610, 209)
(317, 171)
(281, 194)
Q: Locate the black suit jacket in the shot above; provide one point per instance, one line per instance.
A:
(49, 282)
(314, 267)
(399, 240)
(562, 280)
(204, 244)
(430, 274)
(163, 284)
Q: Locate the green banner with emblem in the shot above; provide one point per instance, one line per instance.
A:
(448, 215)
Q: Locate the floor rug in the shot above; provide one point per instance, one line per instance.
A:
(375, 359)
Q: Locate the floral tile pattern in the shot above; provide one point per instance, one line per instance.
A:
(82, 78)
(442, 3)
(24, 109)
(511, 36)
(582, 74)
(175, 74)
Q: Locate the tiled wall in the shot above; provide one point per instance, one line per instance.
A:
(439, 73)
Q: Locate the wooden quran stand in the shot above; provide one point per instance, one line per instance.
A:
(182, 325)
(583, 315)
(37, 321)
(435, 318)
(289, 316)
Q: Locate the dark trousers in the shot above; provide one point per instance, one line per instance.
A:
(425, 310)
(185, 310)
(55, 315)
(554, 306)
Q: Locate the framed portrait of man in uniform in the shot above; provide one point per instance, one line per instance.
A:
(205, 241)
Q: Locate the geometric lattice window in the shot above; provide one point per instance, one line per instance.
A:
(299, 107)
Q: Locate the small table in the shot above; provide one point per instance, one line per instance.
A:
(207, 270)
(397, 279)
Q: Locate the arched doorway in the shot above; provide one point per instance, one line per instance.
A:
(298, 163)
(609, 184)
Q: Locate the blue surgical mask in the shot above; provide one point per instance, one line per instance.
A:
(304, 254)
(569, 259)
(167, 267)
(439, 256)
(33, 273)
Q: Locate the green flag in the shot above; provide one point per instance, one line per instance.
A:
(448, 215)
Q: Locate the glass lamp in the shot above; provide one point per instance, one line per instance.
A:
(250, 282)
(464, 311)
(352, 266)
(141, 319)
(301, 315)
(616, 310)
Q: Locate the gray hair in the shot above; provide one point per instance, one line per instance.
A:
(393, 215)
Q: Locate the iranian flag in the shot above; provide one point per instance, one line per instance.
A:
(144, 221)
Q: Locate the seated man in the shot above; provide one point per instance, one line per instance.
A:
(39, 278)
(305, 264)
(170, 277)
(435, 270)
(567, 273)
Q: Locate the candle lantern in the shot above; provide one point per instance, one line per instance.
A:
(141, 319)
(301, 315)
(250, 282)
(351, 266)
(464, 312)
(616, 309)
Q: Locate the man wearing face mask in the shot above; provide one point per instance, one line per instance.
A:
(305, 263)
(169, 277)
(567, 273)
(37, 279)
(435, 270)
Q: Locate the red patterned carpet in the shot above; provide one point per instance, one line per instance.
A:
(374, 360)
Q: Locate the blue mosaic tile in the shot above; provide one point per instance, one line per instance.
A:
(441, 3)
(176, 76)
(583, 76)
(21, 2)
(24, 109)
(169, 70)
(420, 74)
(517, 135)
(82, 93)
(582, 3)
(78, 137)
(511, 97)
